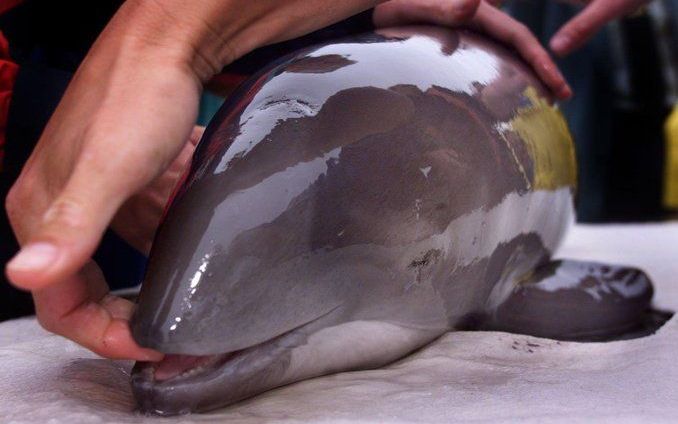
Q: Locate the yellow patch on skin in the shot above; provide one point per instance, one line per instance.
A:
(549, 143)
(671, 172)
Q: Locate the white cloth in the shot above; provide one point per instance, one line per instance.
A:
(462, 377)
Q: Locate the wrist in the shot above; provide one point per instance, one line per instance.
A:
(206, 35)
(175, 33)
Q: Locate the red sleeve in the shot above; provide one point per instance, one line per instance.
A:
(5, 5)
(8, 71)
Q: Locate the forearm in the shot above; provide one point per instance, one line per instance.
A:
(260, 57)
(207, 35)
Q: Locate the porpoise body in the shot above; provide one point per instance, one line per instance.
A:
(356, 200)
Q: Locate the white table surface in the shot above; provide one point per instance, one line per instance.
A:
(462, 377)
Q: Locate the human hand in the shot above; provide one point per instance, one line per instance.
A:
(484, 17)
(81, 304)
(122, 122)
(585, 24)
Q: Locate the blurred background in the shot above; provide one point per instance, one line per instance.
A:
(625, 83)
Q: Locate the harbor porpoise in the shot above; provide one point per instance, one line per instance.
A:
(357, 199)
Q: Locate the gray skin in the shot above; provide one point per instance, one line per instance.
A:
(353, 202)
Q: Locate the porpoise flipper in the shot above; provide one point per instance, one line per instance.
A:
(575, 300)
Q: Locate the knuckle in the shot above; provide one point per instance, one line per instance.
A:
(12, 203)
(437, 8)
(399, 14)
(48, 323)
(521, 31)
(67, 213)
(15, 202)
(455, 10)
(520, 36)
(467, 8)
(577, 29)
(543, 68)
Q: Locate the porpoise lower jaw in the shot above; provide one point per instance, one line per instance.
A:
(181, 384)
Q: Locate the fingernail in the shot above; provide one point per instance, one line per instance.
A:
(151, 355)
(560, 43)
(34, 257)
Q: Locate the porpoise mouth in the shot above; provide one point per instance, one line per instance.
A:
(180, 367)
(180, 384)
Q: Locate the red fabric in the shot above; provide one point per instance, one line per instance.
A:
(8, 71)
(5, 5)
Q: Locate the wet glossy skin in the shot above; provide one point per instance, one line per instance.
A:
(346, 207)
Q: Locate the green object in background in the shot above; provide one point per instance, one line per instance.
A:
(209, 105)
